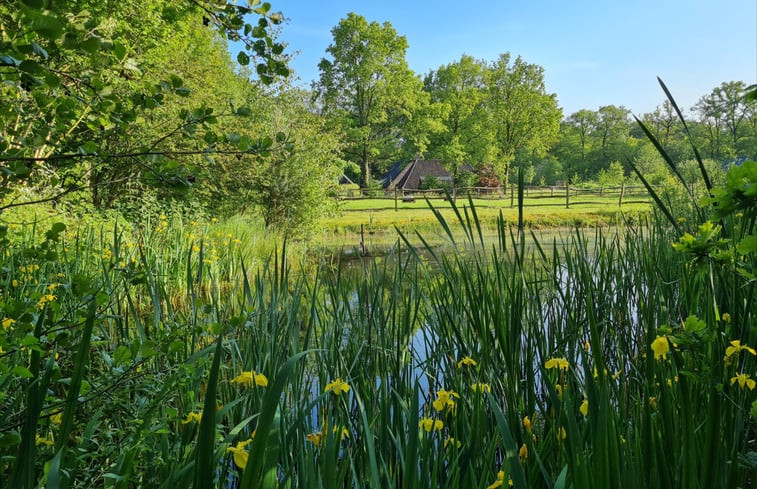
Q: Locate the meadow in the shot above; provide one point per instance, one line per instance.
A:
(172, 355)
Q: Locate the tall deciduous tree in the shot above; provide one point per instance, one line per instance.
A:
(466, 135)
(726, 118)
(367, 89)
(526, 118)
(611, 132)
(583, 123)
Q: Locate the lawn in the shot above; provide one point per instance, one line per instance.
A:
(376, 215)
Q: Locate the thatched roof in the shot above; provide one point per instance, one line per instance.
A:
(409, 176)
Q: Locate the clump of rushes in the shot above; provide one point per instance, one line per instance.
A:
(607, 359)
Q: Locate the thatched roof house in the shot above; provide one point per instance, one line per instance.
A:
(408, 176)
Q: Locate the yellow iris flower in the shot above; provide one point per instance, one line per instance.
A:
(660, 347)
(558, 363)
(337, 387)
(193, 416)
(744, 380)
(466, 361)
(429, 424)
(445, 400)
(250, 379)
(736, 347)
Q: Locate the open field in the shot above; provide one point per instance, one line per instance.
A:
(378, 214)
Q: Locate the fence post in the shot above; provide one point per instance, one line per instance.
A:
(567, 195)
(396, 209)
(622, 189)
(512, 194)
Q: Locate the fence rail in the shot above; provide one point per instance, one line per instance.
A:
(568, 195)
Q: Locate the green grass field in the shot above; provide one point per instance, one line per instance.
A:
(376, 215)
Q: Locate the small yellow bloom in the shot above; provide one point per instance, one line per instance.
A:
(466, 361)
(726, 317)
(527, 424)
(653, 402)
(56, 419)
(660, 347)
(429, 424)
(481, 387)
(587, 346)
(337, 387)
(736, 347)
(523, 452)
(584, 407)
(559, 389)
(43, 440)
(744, 380)
(452, 442)
(8, 323)
(561, 434)
(251, 379)
(500, 480)
(558, 363)
(315, 438)
(241, 455)
(445, 400)
(44, 300)
(193, 416)
(14, 283)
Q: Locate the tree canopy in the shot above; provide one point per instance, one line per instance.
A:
(367, 90)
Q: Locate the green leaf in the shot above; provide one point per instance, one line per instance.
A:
(34, 3)
(39, 50)
(9, 439)
(204, 464)
(91, 44)
(243, 111)
(119, 50)
(89, 148)
(694, 325)
(6, 60)
(748, 244)
(243, 59)
(31, 67)
(47, 26)
(22, 372)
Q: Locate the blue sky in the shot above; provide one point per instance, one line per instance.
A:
(594, 53)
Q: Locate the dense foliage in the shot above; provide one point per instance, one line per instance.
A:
(164, 352)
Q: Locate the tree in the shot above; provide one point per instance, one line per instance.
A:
(726, 117)
(612, 132)
(294, 187)
(525, 118)
(368, 91)
(466, 135)
(70, 81)
(583, 122)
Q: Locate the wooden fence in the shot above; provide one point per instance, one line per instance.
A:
(533, 196)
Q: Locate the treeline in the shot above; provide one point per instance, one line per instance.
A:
(138, 105)
(497, 115)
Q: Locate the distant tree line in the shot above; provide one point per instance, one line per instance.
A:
(498, 116)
